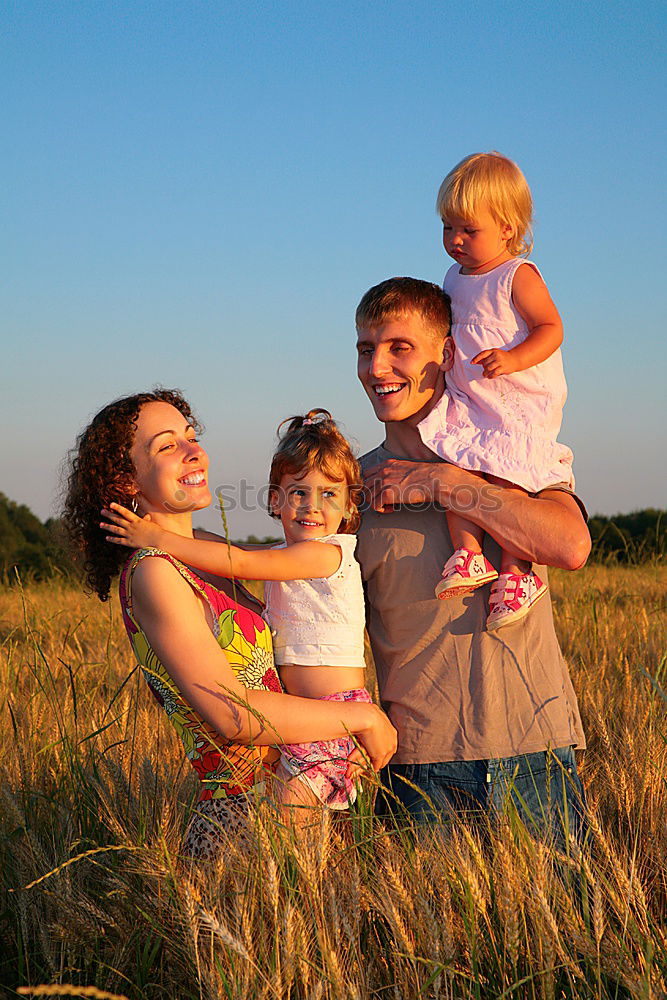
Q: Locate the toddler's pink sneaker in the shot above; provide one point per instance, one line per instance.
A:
(464, 572)
(512, 597)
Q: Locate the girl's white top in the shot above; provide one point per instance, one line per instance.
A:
(319, 622)
(506, 426)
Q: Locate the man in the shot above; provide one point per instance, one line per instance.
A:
(480, 715)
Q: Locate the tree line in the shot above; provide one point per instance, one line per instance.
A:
(629, 538)
(38, 550)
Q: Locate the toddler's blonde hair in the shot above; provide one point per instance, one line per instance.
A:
(492, 181)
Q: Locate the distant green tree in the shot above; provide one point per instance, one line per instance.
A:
(629, 538)
(254, 540)
(36, 550)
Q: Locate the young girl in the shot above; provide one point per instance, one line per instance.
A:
(502, 408)
(314, 597)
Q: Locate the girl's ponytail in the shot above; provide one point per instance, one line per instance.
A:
(314, 418)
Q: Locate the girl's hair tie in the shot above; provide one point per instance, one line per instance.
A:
(308, 422)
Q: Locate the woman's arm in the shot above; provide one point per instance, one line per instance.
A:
(301, 561)
(173, 620)
(534, 304)
(549, 528)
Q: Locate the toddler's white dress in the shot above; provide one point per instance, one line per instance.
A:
(506, 426)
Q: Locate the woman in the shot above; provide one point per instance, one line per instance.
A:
(203, 647)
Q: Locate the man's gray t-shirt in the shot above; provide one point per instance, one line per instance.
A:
(453, 690)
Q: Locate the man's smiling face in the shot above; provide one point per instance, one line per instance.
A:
(400, 365)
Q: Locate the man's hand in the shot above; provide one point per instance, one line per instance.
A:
(402, 482)
(495, 362)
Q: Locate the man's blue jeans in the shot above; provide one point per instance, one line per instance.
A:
(543, 787)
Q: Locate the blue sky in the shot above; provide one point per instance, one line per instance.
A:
(198, 194)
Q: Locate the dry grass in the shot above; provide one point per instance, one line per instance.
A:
(94, 795)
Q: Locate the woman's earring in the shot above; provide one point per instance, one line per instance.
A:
(134, 506)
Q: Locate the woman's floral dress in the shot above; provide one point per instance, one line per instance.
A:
(226, 770)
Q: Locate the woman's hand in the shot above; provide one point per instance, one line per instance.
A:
(130, 529)
(379, 739)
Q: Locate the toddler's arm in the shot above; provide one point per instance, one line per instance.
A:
(213, 536)
(301, 561)
(545, 328)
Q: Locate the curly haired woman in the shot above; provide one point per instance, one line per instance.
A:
(203, 647)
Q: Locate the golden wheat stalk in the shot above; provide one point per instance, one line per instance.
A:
(71, 861)
(68, 990)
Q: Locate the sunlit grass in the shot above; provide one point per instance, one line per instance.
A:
(94, 802)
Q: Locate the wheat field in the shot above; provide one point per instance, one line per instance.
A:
(95, 794)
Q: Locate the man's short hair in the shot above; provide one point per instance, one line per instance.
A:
(397, 297)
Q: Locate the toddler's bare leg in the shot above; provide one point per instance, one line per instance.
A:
(464, 533)
(510, 562)
(467, 568)
(519, 587)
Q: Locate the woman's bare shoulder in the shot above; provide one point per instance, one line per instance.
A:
(157, 583)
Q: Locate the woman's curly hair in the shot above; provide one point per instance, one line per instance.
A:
(100, 471)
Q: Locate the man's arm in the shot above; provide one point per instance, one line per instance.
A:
(547, 529)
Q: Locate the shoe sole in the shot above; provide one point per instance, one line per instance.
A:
(443, 592)
(518, 615)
